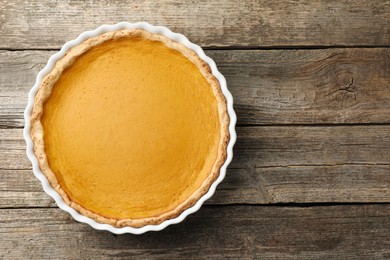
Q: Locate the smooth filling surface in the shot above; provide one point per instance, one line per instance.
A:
(131, 129)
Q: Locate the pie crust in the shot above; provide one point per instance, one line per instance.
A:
(44, 91)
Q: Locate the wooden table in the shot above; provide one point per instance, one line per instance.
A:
(311, 172)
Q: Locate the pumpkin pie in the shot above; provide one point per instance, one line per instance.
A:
(130, 128)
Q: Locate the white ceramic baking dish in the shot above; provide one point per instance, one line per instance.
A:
(84, 36)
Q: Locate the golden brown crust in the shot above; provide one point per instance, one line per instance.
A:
(67, 60)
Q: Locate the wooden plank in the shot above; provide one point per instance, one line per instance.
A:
(271, 165)
(308, 86)
(329, 86)
(239, 232)
(305, 184)
(18, 71)
(290, 146)
(252, 23)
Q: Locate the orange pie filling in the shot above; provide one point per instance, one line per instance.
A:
(131, 129)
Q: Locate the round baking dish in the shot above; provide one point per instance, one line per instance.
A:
(48, 68)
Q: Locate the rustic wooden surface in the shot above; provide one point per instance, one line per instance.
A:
(311, 172)
(221, 23)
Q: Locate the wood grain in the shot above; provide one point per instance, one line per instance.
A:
(238, 232)
(314, 130)
(330, 86)
(251, 23)
(271, 165)
(308, 86)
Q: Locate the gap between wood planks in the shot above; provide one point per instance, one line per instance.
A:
(268, 125)
(312, 125)
(275, 205)
(249, 48)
